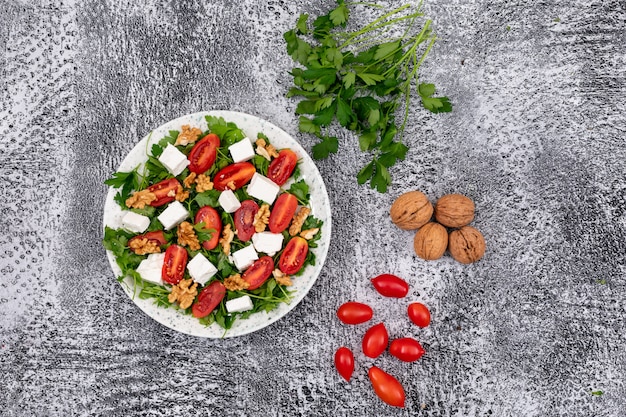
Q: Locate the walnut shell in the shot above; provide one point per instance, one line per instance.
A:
(431, 241)
(466, 244)
(411, 210)
(454, 210)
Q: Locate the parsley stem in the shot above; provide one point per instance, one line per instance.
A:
(375, 25)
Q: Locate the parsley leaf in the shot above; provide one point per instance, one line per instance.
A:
(324, 148)
(360, 79)
(301, 190)
(127, 182)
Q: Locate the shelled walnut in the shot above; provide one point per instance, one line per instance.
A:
(431, 241)
(454, 210)
(466, 245)
(411, 210)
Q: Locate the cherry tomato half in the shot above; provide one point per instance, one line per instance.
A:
(344, 362)
(203, 154)
(165, 191)
(419, 314)
(244, 219)
(208, 299)
(282, 167)
(284, 208)
(294, 255)
(233, 175)
(212, 221)
(406, 349)
(386, 387)
(354, 312)
(391, 286)
(258, 272)
(375, 340)
(174, 264)
(157, 237)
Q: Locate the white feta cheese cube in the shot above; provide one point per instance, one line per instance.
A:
(135, 222)
(150, 268)
(263, 188)
(229, 201)
(173, 160)
(242, 150)
(201, 269)
(267, 242)
(239, 304)
(173, 215)
(245, 257)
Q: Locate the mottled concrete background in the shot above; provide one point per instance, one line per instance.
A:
(536, 139)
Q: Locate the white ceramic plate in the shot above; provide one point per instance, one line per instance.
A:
(319, 204)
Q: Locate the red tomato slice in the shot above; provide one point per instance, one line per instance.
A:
(174, 264)
(203, 154)
(344, 362)
(406, 349)
(386, 387)
(294, 255)
(233, 176)
(208, 299)
(375, 340)
(157, 237)
(284, 208)
(419, 314)
(165, 191)
(282, 167)
(212, 220)
(391, 286)
(244, 219)
(258, 272)
(354, 312)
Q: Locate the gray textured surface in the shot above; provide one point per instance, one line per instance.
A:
(536, 139)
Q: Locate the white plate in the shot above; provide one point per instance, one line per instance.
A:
(319, 204)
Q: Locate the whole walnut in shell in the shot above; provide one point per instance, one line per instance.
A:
(466, 244)
(454, 210)
(411, 210)
(431, 241)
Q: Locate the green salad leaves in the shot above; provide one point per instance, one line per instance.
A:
(360, 79)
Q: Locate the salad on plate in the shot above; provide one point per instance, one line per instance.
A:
(215, 223)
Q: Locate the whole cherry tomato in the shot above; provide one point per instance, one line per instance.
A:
(391, 286)
(375, 340)
(208, 299)
(284, 208)
(174, 264)
(386, 387)
(282, 167)
(233, 176)
(165, 191)
(203, 154)
(406, 349)
(344, 362)
(354, 312)
(156, 237)
(244, 219)
(258, 272)
(212, 221)
(419, 314)
(293, 256)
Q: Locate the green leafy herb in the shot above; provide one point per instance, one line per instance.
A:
(359, 79)
(301, 190)
(228, 132)
(597, 393)
(126, 182)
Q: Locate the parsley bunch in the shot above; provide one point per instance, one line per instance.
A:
(360, 79)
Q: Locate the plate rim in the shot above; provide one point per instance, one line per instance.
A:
(214, 331)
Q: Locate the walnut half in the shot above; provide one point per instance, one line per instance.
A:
(184, 293)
